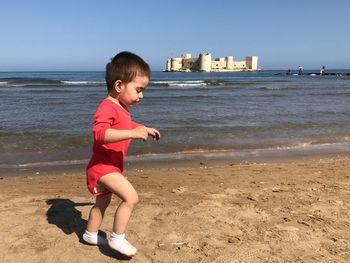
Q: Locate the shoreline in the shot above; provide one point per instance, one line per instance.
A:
(281, 209)
(188, 158)
(203, 162)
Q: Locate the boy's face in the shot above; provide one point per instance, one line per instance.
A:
(132, 92)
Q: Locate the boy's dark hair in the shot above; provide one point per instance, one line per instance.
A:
(125, 66)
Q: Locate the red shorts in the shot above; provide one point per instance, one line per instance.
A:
(94, 173)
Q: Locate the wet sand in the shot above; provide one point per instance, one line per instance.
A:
(294, 209)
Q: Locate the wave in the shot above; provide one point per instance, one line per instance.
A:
(23, 82)
(341, 94)
(44, 164)
(301, 149)
(70, 82)
(209, 83)
(273, 88)
(190, 83)
(176, 81)
(179, 83)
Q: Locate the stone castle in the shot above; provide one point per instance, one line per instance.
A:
(204, 63)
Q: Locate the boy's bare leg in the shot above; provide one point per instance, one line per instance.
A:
(119, 185)
(95, 219)
(97, 212)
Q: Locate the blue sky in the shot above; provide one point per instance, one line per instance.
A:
(84, 35)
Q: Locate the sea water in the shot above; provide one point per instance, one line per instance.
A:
(46, 117)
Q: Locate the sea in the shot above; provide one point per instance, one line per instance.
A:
(46, 117)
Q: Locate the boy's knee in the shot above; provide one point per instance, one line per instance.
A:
(133, 199)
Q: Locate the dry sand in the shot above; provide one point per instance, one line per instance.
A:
(294, 210)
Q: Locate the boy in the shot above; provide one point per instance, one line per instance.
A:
(127, 75)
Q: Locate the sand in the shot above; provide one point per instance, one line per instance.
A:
(275, 210)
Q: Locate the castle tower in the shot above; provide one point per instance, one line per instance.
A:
(176, 64)
(168, 65)
(205, 62)
(229, 62)
(252, 62)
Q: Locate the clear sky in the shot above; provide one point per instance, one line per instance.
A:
(84, 34)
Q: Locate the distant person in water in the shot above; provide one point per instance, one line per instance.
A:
(322, 70)
(289, 72)
(300, 70)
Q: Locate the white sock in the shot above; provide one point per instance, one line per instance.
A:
(90, 237)
(93, 238)
(119, 243)
(117, 236)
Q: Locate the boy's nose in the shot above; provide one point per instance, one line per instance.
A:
(140, 95)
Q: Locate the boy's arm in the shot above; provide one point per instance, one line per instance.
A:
(103, 133)
(140, 132)
(104, 117)
(114, 135)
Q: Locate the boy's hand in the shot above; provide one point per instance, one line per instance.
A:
(154, 133)
(140, 132)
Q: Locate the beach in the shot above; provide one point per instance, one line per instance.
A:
(233, 127)
(290, 209)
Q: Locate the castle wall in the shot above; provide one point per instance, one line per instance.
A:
(190, 64)
(218, 64)
(239, 64)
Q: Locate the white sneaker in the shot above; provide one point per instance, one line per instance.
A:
(123, 246)
(94, 239)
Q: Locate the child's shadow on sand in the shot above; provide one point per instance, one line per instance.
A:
(65, 216)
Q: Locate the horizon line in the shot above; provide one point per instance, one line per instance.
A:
(93, 70)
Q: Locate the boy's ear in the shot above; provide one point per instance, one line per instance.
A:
(118, 86)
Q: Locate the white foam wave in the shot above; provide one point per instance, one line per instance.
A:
(294, 146)
(296, 150)
(70, 82)
(275, 88)
(3, 82)
(181, 83)
(48, 163)
(312, 145)
(187, 84)
(176, 81)
(14, 85)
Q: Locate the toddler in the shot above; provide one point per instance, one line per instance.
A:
(127, 76)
